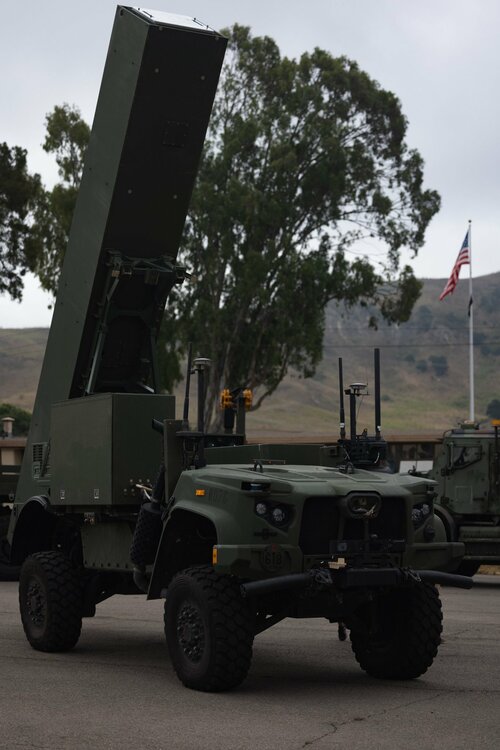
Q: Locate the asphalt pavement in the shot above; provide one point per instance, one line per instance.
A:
(117, 688)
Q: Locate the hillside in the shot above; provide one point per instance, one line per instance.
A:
(424, 366)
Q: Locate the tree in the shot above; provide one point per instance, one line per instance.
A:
(19, 192)
(439, 364)
(67, 137)
(21, 417)
(303, 160)
(493, 409)
(34, 221)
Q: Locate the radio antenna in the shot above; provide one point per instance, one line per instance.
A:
(185, 415)
(377, 393)
(341, 395)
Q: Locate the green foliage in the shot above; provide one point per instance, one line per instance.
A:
(486, 349)
(19, 192)
(35, 222)
(481, 341)
(453, 321)
(493, 409)
(490, 302)
(439, 364)
(304, 158)
(423, 318)
(21, 416)
(67, 137)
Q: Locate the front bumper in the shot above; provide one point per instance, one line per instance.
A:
(347, 579)
(434, 555)
(257, 561)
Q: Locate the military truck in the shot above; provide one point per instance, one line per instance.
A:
(117, 496)
(11, 449)
(467, 472)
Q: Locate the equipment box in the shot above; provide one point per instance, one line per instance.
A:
(103, 445)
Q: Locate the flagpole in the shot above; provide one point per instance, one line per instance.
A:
(471, 332)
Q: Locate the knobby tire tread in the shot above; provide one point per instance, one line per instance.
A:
(233, 627)
(63, 595)
(413, 644)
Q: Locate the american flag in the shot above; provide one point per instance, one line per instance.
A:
(462, 260)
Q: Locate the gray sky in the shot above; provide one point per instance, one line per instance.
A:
(441, 58)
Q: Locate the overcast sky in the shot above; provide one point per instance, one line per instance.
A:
(440, 57)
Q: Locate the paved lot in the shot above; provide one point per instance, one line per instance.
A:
(117, 689)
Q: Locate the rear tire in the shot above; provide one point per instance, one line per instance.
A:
(406, 637)
(209, 629)
(50, 601)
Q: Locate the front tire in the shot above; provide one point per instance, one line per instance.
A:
(50, 601)
(209, 629)
(405, 639)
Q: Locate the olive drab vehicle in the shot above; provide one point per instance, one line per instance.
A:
(118, 496)
(467, 472)
(10, 450)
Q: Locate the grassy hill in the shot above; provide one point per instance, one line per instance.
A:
(424, 367)
(21, 355)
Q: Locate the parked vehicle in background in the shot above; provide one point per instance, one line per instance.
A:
(467, 472)
(11, 453)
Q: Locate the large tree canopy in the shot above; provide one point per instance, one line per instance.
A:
(21, 417)
(35, 222)
(67, 137)
(19, 193)
(304, 159)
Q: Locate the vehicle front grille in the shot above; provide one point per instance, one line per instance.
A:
(321, 524)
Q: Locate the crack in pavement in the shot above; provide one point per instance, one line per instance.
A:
(326, 734)
(382, 712)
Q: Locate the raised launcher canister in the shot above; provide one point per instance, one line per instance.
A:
(152, 113)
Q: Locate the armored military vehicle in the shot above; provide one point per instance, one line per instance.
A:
(467, 472)
(10, 451)
(116, 495)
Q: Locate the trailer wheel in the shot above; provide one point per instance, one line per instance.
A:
(209, 629)
(50, 600)
(406, 636)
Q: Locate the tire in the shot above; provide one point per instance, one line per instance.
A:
(209, 629)
(468, 568)
(50, 600)
(409, 626)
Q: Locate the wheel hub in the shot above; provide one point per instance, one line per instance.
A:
(190, 632)
(35, 603)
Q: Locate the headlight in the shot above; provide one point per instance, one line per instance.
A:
(278, 515)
